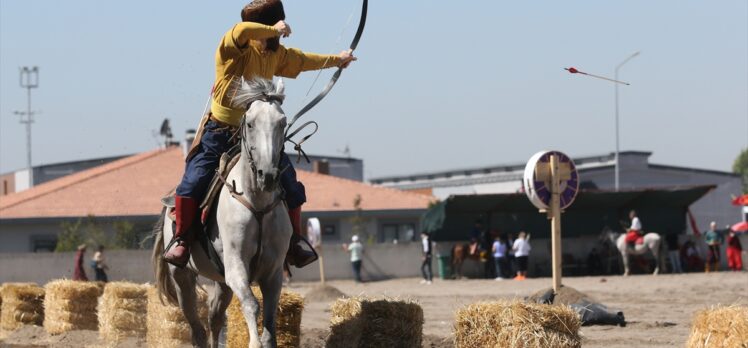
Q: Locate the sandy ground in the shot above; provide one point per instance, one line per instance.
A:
(658, 309)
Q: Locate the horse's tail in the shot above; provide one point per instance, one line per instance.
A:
(164, 284)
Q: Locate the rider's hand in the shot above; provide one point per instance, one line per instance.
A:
(346, 57)
(283, 28)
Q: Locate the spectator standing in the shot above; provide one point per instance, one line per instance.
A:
(355, 249)
(521, 249)
(511, 265)
(690, 255)
(673, 252)
(426, 264)
(713, 239)
(79, 273)
(734, 251)
(99, 265)
(499, 250)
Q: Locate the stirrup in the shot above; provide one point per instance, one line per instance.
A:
(312, 259)
(166, 250)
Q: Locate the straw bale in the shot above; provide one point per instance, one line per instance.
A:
(722, 326)
(123, 311)
(516, 324)
(71, 305)
(366, 322)
(287, 321)
(166, 325)
(22, 305)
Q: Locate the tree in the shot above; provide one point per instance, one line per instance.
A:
(359, 222)
(86, 231)
(125, 235)
(740, 166)
(70, 237)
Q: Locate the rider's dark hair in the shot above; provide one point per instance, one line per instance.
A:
(266, 12)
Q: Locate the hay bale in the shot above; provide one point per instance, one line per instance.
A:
(70, 305)
(725, 326)
(123, 311)
(22, 305)
(288, 321)
(166, 325)
(365, 322)
(516, 324)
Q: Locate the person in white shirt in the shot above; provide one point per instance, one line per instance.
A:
(521, 250)
(499, 250)
(356, 249)
(426, 264)
(635, 231)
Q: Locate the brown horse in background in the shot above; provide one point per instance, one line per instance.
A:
(462, 252)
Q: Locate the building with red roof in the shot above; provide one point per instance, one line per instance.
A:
(130, 189)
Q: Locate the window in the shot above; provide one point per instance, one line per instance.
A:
(328, 230)
(43, 243)
(398, 232)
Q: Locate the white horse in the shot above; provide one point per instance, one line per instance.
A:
(250, 232)
(652, 242)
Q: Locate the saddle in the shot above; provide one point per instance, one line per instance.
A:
(227, 162)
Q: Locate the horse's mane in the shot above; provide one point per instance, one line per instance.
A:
(242, 91)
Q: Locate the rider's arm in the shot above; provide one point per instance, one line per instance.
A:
(236, 40)
(293, 61)
(245, 31)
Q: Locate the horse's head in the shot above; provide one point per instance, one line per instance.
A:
(262, 131)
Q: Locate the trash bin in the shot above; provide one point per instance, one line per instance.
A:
(445, 269)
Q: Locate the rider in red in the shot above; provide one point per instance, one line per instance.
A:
(635, 231)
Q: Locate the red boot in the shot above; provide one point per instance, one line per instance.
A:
(297, 255)
(186, 211)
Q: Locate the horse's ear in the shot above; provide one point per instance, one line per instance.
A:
(280, 87)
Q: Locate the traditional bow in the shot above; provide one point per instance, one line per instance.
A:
(334, 79)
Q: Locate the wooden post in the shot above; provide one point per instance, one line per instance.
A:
(555, 214)
(321, 261)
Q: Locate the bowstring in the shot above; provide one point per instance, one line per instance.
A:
(337, 43)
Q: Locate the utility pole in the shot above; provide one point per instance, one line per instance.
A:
(618, 162)
(29, 78)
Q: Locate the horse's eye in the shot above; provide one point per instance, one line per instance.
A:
(249, 124)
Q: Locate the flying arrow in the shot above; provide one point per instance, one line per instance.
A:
(574, 70)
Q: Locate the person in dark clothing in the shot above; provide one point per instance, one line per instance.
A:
(99, 265)
(594, 262)
(673, 252)
(426, 264)
(79, 273)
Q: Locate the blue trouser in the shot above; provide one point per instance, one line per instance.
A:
(201, 168)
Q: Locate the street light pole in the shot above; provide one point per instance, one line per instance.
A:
(29, 78)
(617, 161)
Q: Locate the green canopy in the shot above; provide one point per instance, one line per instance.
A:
(661, 210)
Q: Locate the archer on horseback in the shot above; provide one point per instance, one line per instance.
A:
(251, 49)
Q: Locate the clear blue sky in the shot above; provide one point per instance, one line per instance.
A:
(439, 84)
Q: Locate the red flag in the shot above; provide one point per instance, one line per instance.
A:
(694, 227)
(742, 200)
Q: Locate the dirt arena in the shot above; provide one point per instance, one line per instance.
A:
(658, 309)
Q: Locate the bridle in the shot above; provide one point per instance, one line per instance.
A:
(242, 130)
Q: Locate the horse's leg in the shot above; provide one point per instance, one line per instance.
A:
(271, 289)
(655, 247)
(237, 278)
(185, 282)
(625, 258)
(218, 300)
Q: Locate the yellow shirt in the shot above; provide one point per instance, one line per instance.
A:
(238, 56)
